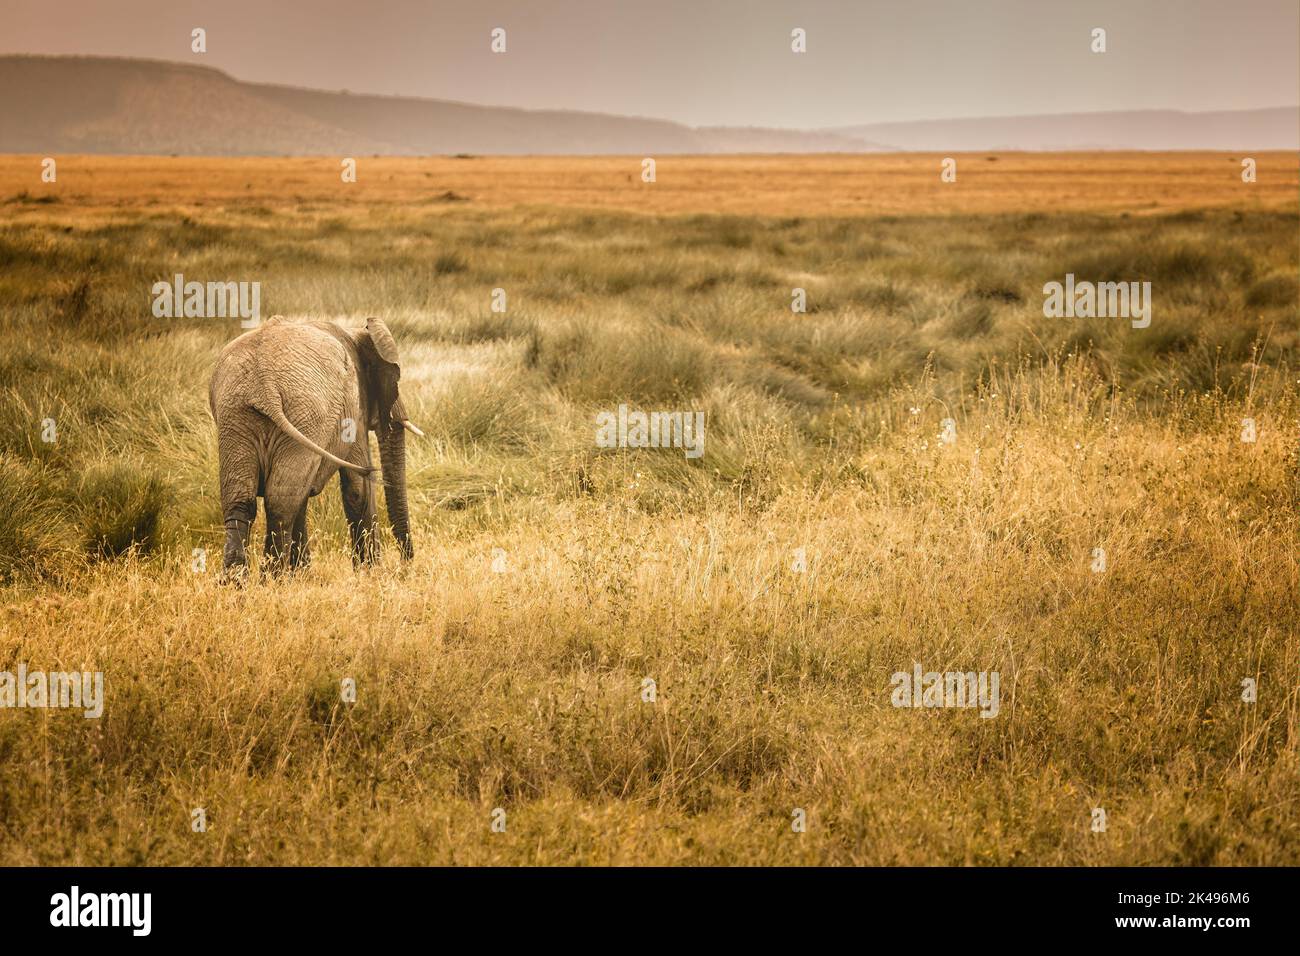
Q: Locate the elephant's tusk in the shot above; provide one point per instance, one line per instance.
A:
(411, 428)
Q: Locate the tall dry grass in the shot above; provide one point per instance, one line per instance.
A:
(523, 689)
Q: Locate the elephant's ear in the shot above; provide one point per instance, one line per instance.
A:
(383, 341)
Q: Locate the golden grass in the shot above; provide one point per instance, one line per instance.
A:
(522, 690)
(819, 185)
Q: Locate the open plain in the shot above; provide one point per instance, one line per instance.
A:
(919, 468)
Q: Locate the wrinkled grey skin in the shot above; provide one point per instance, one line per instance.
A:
(280, 396)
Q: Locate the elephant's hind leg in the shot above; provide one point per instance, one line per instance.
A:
(359, 506)
(288, 486)
(299, 553)
(282, 515)
(239, 517)
(238, 511)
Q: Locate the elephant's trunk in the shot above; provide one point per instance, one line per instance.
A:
(392, 457)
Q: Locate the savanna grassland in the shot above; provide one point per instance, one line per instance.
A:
(521, 688)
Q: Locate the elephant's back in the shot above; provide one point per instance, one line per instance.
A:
(294, 358)
(302, 358)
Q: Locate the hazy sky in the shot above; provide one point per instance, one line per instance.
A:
(718, 62)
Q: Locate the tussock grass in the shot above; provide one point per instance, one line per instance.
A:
(522, 688)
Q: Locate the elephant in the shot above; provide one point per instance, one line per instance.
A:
(294, 402)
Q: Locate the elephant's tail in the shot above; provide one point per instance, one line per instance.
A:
(276, 414)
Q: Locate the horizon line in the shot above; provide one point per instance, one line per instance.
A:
(837, 129)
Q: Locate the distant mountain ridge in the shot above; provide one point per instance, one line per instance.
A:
(1272, 128)
(77, 104)
(119, 105)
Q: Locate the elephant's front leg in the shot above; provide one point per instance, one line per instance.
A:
(359, 506)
